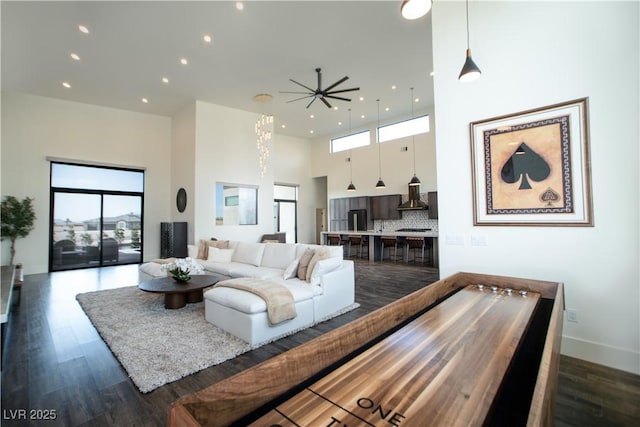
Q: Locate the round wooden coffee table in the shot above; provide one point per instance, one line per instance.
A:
(178, 294)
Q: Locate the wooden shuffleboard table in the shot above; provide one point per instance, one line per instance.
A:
(446, 365)
(469, 349)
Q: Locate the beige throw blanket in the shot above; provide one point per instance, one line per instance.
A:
(280, 303)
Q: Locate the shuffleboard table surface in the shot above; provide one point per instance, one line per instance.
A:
(443, 368)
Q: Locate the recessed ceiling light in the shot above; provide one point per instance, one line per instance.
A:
(145, 100)
(75, 56)
(386, 109)
(165, 80)
(335, 108)
(66, 84)
(83, 29)
(207, 38)
(432, 73)
(362, 98)
(311, 116)
(283, 126)
(339, 123)
(184, 61)
(362, 116)
(393, 87)
(311, 131)
(239, 5)
(417, 100)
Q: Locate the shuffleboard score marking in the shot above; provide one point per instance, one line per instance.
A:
(443, 368)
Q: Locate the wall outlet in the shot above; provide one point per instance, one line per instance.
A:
(572, 315)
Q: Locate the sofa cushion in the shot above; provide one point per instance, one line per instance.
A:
(203, 247)
(244, 270)
(248, 253)
(318, 254)
(292, 270)
(249, 303)
(192, 251)
(303, 265)
(278, 255)
(323, 267)
(219, 255)
(221, 267)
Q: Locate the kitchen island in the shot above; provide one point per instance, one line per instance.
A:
(375, 253)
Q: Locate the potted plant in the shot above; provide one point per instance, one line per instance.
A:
(17, 218)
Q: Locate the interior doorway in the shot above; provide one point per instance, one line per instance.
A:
(285, 211)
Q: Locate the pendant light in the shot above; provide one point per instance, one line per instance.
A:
(350, 187)
(380, 183)
(414, 181)
(470, 70)
(414, 9)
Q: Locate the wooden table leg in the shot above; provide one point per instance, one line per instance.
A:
(175, 300)
(194, 296)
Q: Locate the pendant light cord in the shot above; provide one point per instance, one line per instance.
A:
(378, 141)
(413, 137)
(467, 24)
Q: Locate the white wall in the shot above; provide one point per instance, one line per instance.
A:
(532, 55)
(34, 128)
(397, 165)
(226, 152)
(183, 158)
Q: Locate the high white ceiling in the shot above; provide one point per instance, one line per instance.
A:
(132, 45)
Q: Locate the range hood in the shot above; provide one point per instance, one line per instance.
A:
(414, 203)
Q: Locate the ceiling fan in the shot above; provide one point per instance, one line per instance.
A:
(320, 93)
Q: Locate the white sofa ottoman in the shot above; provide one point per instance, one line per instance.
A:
(244, 314)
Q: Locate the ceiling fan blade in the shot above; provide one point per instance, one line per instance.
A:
(342, 90)
(306, 87)
(298, 99)
(301, 93)
(319, 78)
(338, 97)
(342, 80)
(309, 104)
(325, 102)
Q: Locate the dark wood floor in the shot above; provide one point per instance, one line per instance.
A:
(55, 361)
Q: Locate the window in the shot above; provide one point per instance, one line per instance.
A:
(403, 129)
(348, 142)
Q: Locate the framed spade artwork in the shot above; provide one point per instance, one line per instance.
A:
(532, 168)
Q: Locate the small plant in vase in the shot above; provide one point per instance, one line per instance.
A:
(181, 275)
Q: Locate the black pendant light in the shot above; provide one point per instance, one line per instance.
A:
(415, 180)
(380, 183)
(470, 70)
(350, 187)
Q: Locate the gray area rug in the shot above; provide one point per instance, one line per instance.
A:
(157, 346)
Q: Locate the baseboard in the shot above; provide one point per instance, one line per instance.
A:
(613, 357)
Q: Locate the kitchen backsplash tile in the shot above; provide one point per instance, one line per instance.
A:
(410, 219)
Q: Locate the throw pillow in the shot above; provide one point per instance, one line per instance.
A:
(304, 263)
(220, 244)
(202, 249)
(323, 267)
(291, 270)
(321, 253)
(219, 255)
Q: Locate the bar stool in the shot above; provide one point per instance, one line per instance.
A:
(388, 242)
(356, 240)
(333, 240)
(413, 244)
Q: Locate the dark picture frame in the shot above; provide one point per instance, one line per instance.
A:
(533, 168)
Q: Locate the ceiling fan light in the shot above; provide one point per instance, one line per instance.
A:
(351, 187)
(380, 184)
(414, 181)
(470, 70)
(414, 9)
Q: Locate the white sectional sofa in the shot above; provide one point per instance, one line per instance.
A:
(330, 287)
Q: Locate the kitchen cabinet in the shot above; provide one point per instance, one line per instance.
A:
(339, 211)
(432, 200)
(386, 207)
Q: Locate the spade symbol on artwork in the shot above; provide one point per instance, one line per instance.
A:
(525, 163)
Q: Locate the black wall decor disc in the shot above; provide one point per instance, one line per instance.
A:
(181, 200)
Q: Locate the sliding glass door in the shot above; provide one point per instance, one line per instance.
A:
(96, 219)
